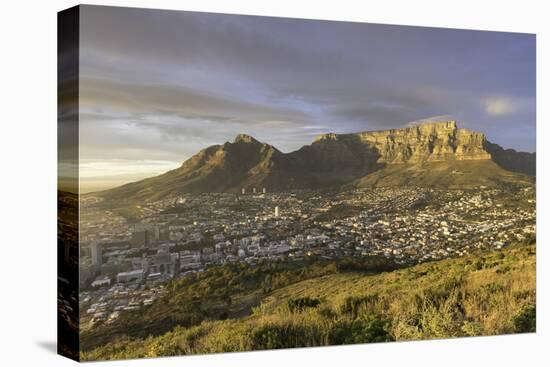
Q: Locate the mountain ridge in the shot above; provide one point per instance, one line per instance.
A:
(342, 159)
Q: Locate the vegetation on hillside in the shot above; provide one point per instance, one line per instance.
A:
(334, 303)
(221, 292)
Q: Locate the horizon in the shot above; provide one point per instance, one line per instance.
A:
(157, 86)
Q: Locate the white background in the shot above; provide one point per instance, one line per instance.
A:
(28, 182)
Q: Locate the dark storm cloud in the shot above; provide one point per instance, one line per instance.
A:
(168, 83)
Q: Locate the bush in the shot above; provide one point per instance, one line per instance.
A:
(285, 335)
(367, 330)
(300, 304)
(267, 337)
(526, 320)
(478, 264)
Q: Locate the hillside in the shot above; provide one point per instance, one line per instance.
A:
(451, 174)
(433, 154)
(330, 304)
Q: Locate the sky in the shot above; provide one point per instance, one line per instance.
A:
(157, 86)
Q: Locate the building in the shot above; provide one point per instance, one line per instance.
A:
(97, 256)
(263, 190)
(130, 276)
(243, 191)
(253, 190)
(190, 260)
(162, 263)
(277, 211)
(145, 234)
(111, 269)
(140, 238)
(156, 233)
(101, 281)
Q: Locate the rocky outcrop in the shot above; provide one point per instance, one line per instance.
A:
(438, 141)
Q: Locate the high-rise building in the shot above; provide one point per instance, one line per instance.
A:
(96, 255)
(144, 234)
(253, 190)
(243, 191)
(156, 233)
(140, 238)
(263, 190)
(276, 211)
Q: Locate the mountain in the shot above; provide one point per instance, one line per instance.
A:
(432, 154)
(213, 169)
(511, 160)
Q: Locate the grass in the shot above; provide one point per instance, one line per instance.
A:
(484, 294)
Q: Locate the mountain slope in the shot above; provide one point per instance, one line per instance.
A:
(430, 154)
(453, 174)
(511, 160)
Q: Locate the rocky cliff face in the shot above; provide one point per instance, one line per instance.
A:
(337, 159)
(431, 142)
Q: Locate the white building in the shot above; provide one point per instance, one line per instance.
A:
(130, 276)
(101, 281)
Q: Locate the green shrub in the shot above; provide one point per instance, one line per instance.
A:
(526, 320)
(366, 330)
(300, 304)
(268, 337)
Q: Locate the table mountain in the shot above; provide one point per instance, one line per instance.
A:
(433, 154)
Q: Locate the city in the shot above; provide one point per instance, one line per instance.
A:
(127, 257)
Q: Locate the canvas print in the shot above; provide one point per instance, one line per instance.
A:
(238, 183)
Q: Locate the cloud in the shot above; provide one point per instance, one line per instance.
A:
(177, 100)
(499, 106)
